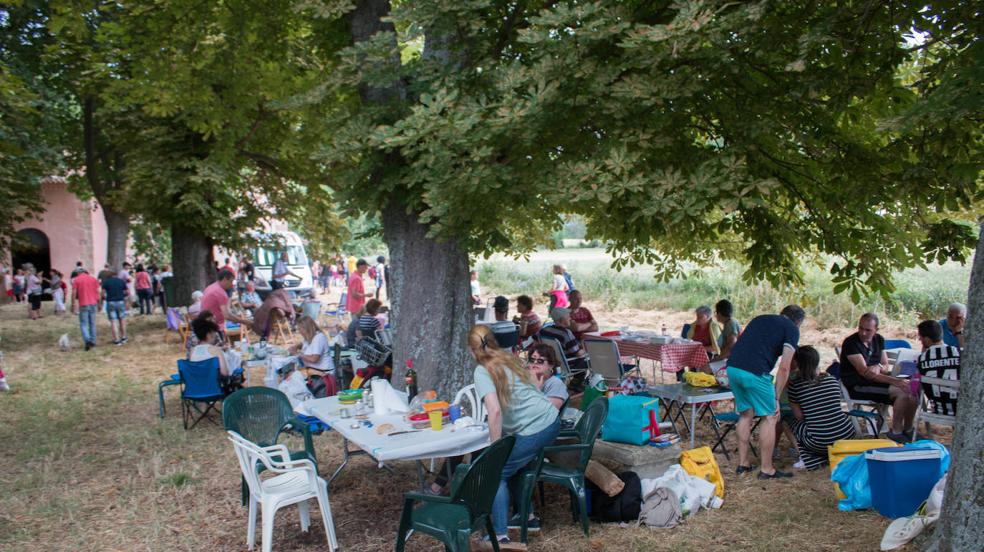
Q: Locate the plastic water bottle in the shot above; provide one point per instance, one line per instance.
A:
(914, 383)
(664, 329)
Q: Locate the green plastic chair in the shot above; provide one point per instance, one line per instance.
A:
(452, 519)
(261, 414)
(585, 432)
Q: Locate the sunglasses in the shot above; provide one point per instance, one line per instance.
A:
(538, 360)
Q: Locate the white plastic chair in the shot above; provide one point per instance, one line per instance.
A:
(925, 413)
(477, 408)
(293, 482)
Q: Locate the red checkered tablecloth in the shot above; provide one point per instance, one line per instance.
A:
(673, 357)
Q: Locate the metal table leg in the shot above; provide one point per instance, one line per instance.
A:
(693, 423)
(346, 454)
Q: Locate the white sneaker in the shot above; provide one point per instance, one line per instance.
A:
(799, 465)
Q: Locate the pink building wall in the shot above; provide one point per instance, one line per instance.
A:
(76, 229)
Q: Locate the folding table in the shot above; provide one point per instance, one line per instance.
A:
(400, 443)
(681, 394)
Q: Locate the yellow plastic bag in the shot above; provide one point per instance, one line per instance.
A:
(851, 447)
(700, 379)
(700, 462)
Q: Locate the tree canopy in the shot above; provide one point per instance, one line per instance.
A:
(765, 132)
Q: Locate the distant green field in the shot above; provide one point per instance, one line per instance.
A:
(919, 293)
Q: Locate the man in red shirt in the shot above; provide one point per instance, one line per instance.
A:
(215, 298)
(85, 302)
(356, 298)
(528, 321)
(581, 318)
(228, 266)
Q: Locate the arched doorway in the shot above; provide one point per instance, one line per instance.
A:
(31, 246)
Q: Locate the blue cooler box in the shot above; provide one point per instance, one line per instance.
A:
(901, 478)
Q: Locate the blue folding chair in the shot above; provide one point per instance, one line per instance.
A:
(174, 379)
(199, 386)
(897, 344)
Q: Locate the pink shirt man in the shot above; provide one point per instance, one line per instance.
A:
(86, 289)
(352, 304)
(213, 298)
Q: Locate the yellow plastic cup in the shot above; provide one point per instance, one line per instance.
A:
(436, 419)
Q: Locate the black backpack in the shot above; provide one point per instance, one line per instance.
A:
(622, 507)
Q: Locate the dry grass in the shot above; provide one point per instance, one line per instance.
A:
(87, 465)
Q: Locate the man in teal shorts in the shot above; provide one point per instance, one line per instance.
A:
(767, 338)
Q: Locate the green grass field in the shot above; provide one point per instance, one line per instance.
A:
(919, 293)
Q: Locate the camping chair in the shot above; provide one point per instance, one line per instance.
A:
(280, 328)
(199, 385)
(897, 344)
(925, 413)
(173, 321)
(606, 360)
(566, 372)
(894, 351)
(174, 379)
(295, 482)
(875, 418)
(452, 519)
(339, 311)
(572, 477)
(507, 340)
(233, 330)
(725, 423)
(262, 414)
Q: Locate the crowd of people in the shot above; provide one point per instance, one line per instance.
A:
(798, 399)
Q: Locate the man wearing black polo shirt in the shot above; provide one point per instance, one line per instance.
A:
(864, 372)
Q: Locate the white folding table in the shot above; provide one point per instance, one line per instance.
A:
(403, 442)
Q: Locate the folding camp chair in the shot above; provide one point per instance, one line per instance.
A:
(875, 418)
(507, 340)
(173, 321)
(280, 329)
(339, 311)
(725, 423)
(199, 386)
(606, 360)
(566, 373)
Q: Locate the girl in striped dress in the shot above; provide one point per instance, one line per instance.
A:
(815, 399)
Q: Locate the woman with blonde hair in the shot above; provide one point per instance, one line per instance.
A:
(515, 406)
(314, 351)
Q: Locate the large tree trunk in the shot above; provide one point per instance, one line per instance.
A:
(431, 304)
(428, 285)
(962, 523)
(191, 260)
(118, 230)
(102, 171)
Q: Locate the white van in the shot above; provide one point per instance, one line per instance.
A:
(297, 262)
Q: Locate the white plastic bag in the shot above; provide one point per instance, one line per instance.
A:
(63, 342)
(693, 492)
(295, 387)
